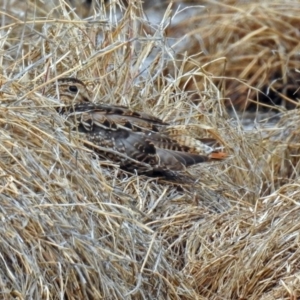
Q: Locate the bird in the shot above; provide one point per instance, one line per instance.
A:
(139, 142)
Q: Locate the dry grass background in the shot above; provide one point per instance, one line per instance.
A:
(74, 227)
(249, 47)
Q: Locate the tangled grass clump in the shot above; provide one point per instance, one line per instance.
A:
(76, 227)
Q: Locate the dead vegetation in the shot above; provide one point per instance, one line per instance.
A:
(251, 49)
(75, 227)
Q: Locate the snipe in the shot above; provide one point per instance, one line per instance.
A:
(137, 141)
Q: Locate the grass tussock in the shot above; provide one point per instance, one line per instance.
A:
(76, 227)
(250, 48)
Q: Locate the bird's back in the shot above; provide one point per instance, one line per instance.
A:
(137, 141)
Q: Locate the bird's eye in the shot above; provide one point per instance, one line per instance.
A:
(73, 88)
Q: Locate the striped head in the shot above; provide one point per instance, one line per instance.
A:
(69, 91)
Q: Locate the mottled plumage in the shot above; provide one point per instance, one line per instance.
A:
(136, 140)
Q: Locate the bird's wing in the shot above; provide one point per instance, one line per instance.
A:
(135, 139)
(157, 155)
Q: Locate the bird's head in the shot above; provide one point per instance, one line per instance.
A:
(69, 91)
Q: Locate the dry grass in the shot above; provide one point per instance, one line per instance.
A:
(250, 48)
(74, 227)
